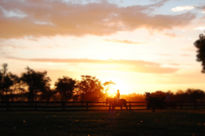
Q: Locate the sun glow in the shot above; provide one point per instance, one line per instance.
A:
(112, 89)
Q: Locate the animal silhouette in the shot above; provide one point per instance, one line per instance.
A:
(113, 102)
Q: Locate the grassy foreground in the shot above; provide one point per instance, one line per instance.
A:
(142, 123)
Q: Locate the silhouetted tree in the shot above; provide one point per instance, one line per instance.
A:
(181, 98)
(47, 95)
(38, 83)
(90, 88)
(19, 92)
(200, 45)
(155, 100)
(7, 80)
(65, 87)
(195, 95)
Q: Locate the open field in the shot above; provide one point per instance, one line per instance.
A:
(94, 123)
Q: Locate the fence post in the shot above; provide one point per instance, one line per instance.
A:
(63, 105)
(35, 105)
(86, 105)
(130, 107)
(7, 106)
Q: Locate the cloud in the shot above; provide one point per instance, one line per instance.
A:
(170, 34)
(13, 13)
(122, 65)
(201, 28)
(182, 8)
(123, 41)
(201, 8)
(42, 22)
(51, 17)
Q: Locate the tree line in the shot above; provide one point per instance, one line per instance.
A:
(34, 85)
(161, 100)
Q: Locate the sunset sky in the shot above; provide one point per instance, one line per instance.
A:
(141, 45)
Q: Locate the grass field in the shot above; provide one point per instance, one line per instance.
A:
(141, 123)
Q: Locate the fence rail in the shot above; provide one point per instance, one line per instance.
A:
(83, 106)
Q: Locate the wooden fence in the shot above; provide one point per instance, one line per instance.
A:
(82, 106)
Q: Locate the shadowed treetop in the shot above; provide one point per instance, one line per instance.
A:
(200, 45)
(65, 86)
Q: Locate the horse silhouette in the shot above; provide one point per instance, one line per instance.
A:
(113, 102)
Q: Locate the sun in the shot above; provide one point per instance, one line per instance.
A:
(112, 89)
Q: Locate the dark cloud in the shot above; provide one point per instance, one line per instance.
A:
(50, 17)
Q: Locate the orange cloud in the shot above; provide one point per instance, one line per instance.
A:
(42, 17)
(123, 41)
(128, 65)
